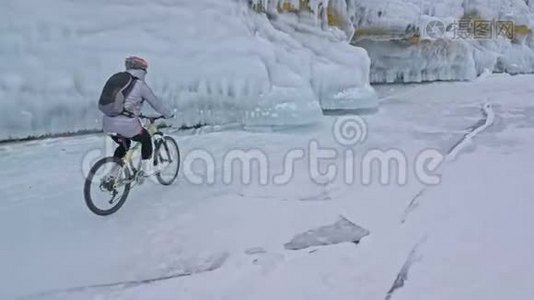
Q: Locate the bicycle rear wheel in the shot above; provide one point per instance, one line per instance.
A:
(107, 186)
(167, 156)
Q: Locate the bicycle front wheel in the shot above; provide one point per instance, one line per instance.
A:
(167, 157)
(107, 186)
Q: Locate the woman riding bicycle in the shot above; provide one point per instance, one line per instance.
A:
(127, 127)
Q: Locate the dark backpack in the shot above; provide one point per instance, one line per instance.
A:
(115, 91)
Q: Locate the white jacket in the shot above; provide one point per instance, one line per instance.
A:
(130, 127)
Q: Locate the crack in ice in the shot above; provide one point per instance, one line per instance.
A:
(487, 120)
(402, 276)
(214, 264)
(413, 205)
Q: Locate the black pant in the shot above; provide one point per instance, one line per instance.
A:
(124, 144)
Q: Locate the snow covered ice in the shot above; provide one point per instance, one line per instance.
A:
(476, 221)
(262, 80)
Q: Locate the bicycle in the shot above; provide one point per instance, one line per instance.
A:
(123, 174)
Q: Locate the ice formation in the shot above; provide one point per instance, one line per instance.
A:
(216, 62)
(402, 48)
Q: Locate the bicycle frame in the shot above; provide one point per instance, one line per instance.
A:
(155, 135)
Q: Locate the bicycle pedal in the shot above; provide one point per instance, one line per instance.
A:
(140, 178)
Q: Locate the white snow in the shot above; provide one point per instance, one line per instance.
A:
(229, 240)
(216, 62)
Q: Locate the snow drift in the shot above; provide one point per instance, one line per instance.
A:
(216, 62)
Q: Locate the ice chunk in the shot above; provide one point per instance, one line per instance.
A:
(340, 232)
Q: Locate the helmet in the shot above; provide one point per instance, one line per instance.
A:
(134, 62)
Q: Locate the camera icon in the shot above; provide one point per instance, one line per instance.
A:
(434, 29)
